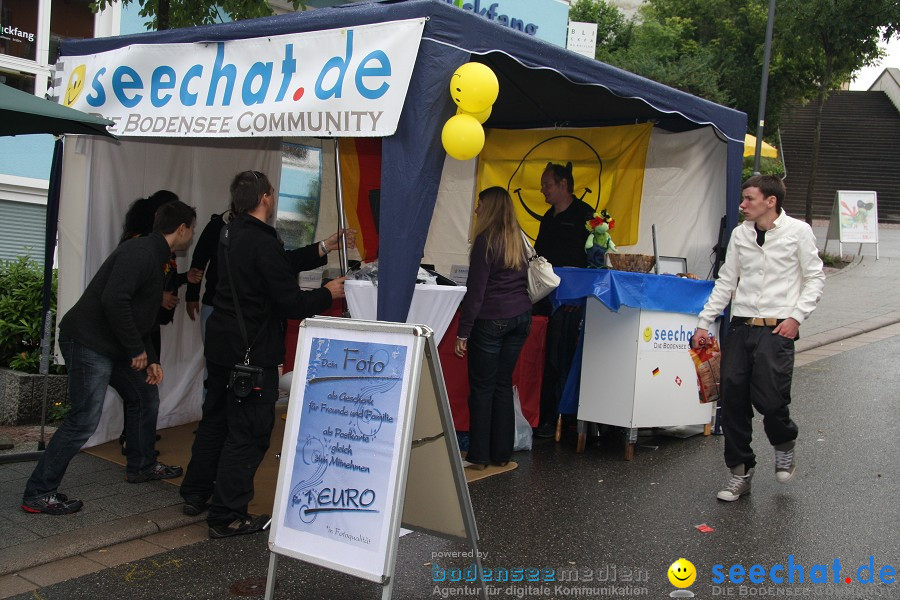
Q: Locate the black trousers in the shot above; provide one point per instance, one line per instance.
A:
(757, 368)
(231, 440)
(494, 347)
(562, 342)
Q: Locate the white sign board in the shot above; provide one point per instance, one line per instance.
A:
(854, 219)
(858, 216)
(369, 440)
(582, 38)
(338, 478)
(337, 82)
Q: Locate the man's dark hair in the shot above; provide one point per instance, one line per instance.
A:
(247, 189)
(561, 173)
(769, 185)
(172, 215)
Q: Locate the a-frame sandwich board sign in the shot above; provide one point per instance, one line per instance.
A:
(854, 219)
(369, 444)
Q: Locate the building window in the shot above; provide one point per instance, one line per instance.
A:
(69, 19)
(299, 193)
(17, 79)
(18, 28)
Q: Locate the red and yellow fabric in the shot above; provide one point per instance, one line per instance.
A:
(607, 164)
(360, 174)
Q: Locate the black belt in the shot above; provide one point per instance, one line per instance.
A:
(757, 321)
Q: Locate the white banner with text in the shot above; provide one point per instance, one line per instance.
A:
(348, 82)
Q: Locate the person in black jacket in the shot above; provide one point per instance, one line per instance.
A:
(139, 223)
(105, 340)
(560, 240)
(258, 277)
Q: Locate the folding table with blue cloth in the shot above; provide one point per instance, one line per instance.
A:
(614, 290)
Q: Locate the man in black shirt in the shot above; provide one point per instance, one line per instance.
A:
(105, 341)
(561, 241)
(258, 278)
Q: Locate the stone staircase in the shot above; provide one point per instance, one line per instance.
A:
(859, 150)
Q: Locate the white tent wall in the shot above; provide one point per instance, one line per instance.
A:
(683, 194)
(448, 234)
(91, 217)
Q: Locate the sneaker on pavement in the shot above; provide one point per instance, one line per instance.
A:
(738, 485)
(157, 471)
(194, 506)
(243, 526)
(785, 465)
(52, 504)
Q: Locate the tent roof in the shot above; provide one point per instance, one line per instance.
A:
(22, 113)
(562, 88)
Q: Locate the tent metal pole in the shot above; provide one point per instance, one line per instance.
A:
(342, 220)
(50, 230)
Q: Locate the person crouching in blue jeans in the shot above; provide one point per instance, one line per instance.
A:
(495, 318)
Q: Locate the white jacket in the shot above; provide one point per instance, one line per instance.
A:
(781, 279)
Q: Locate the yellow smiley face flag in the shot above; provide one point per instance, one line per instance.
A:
(607, 164)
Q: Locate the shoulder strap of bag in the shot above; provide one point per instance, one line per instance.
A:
(226, 242)
(530, 252)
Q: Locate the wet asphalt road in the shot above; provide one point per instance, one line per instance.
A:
(607, 518)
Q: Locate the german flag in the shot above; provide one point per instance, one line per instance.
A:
(360, 174)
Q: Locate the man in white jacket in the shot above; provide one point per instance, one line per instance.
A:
(773, 278)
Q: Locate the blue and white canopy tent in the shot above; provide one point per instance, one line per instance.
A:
(541, 86)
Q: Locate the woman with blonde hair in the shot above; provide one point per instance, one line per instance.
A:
(495, 318)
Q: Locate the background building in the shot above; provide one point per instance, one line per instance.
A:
(30, 32)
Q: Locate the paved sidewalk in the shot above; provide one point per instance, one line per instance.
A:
(114, 512)
(123, 522)
(862, 297)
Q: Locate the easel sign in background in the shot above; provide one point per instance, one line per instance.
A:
(854, 219)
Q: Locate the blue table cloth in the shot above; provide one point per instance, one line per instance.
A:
(665, 293)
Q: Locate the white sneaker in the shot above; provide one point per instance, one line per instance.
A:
(785, 465)
(738, 485)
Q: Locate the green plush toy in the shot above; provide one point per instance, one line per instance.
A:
(598, 241)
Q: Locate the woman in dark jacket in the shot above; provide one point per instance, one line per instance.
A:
(494, 322)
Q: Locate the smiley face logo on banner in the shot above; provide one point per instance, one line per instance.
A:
(75, 85)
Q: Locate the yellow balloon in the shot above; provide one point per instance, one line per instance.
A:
(481, 117)
(462, 137)
(474, 87)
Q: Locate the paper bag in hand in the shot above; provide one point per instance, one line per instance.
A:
(707, 360)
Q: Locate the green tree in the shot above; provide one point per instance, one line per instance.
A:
(734, 31)
(169, 14)
(663, 49)
(655, 47)
(827, 41)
